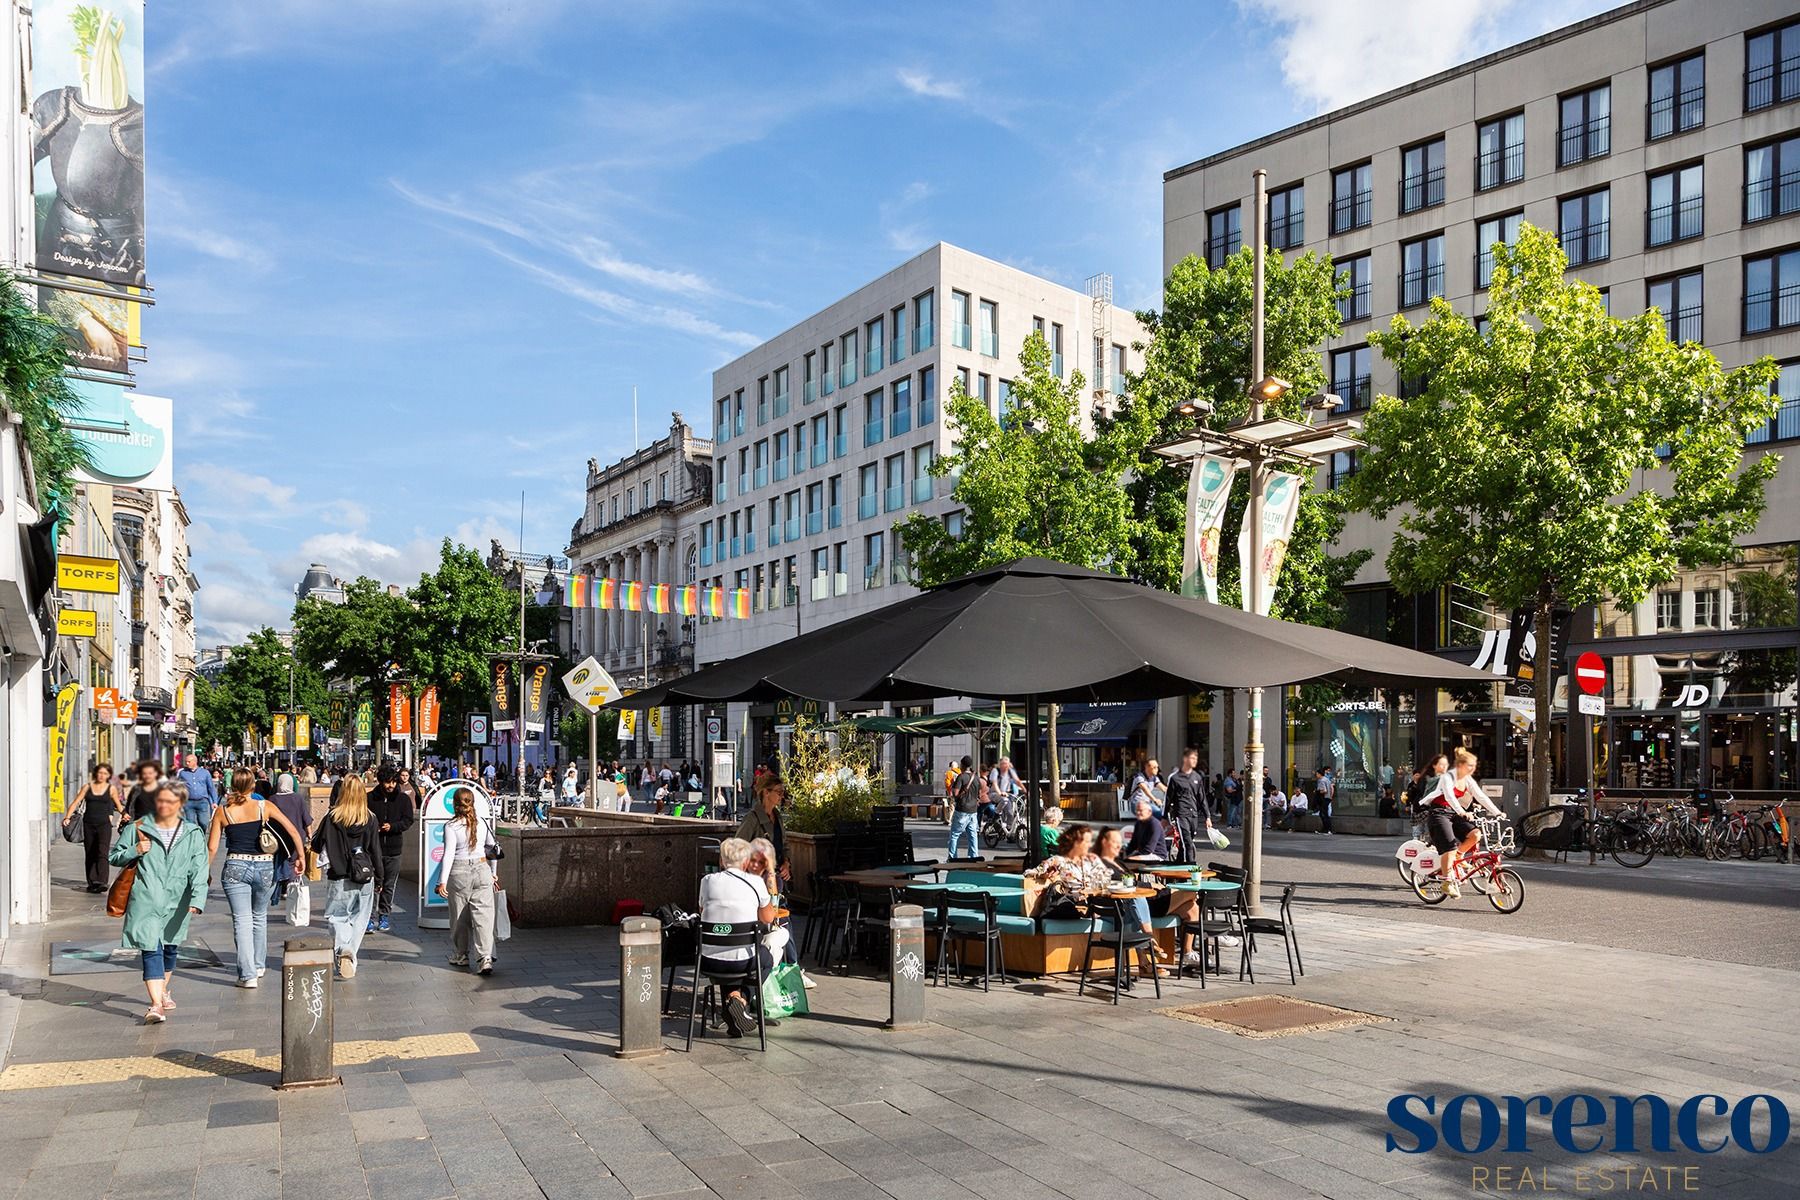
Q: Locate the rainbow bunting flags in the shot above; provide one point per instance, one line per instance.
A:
(685, 602)
(740, 603)
(631, 596)
(659, 597)
(608, 597)
(713, 602)
(690, 600)
(575, 591)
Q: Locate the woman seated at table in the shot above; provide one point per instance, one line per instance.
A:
(1185, 905)
(1076, 873)
(736, 895)
(1050, 830)
(779, 940)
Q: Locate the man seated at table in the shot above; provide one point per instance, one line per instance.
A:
(734, 895)
(1050, 831)
(1146, 834)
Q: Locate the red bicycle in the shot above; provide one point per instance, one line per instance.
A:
(1483, 869)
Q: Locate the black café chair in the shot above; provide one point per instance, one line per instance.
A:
(937, 923)
(974, 916)
(824, 915)
(865, 917)
(1282, 925)
(1112, 923)
(1219, 917)
(721, 975)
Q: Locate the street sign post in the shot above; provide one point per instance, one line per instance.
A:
(1590, 673)
(590, 686)
(1590, 677)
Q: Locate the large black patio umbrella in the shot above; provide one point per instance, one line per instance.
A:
(1037, 630)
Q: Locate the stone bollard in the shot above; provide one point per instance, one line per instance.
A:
(640, 982)
(307, 1052)
(906, 967)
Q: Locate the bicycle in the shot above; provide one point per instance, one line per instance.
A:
(1503, 886)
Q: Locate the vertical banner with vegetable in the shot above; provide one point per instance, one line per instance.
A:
(1281, 502)
(1209, 488)
(87, 141)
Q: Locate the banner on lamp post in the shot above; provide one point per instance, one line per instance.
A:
(1209, 490)
(502, 695)
(429, 712)
(1281, 503)
(537, 696)
(628, 723)
(278, 731)
(399, 711)
(303, 731)
(365, 722)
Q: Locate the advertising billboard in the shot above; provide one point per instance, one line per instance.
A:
(129, 436)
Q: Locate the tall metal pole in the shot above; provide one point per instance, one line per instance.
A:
(1034, 807)
(1253, 743)
(519, 668)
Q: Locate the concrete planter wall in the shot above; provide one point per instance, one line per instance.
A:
(807, 852)
(575, 875)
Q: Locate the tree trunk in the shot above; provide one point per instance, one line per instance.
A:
(1540, 729)
(1229, 734)
(1054, 767)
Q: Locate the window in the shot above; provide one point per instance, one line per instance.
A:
(1421, 270)
(927, 396)
(1772, 292)
(827, 379)
(1411, 387)
(872, 357)
(762, 401)
(662, 486)
(959, 320)
(1056, 350)
(984, 391)
(1343, 465)
(762, 463)
(821, 573)
(815, 508)
(1772, 67)
(706, 528)
(1706, 608)
(897, 334)
(722, 420)
(868, 491)
(990, 329)
(1786, 422)
(900, 408)
(893, 495)
(775, 522)
(872, 417)
(1116, 370)
(1772, 180)
(783, 396)
(1668, 610)
(1500, 151)
(799, 448)
(738, 414)
(1350, 377)
(809, 379)
(781, 455)
(1224, 234)
(1422, 176)
(840, 437)
(743, 471)
(1352, 197)
(750, 530)
(924, 332)
(615, 508)
(1585, 129)
(834, 497)
(921, 486)
(1677, 297)
(1006, 402)
(1287, 217)
(821, 439)
(953, 523)
(1353, 275)
(791, 528)
(1503, 230)
(1586, 228)
(1677, 98)
(1675, 207)
(847, 360)
(899, 561)
(873, 575)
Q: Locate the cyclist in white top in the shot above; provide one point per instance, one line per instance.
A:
(1447, 817)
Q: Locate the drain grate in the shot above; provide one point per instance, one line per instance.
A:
(1271, 1016)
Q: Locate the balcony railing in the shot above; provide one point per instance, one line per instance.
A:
(783, 401)
(821, 453)
(872, 360)
(781, 468)
(1357, 392)
(873, 576)
(990, 343)
(706, 556)
(922, 337)
(897, 347)
(1356, 305)
(774, 534)
(921, 489)
(749, 543)
(1767, 310)
(867, 506)
(1499, 167)
(927, 407)
(1423, 190)
(1284, 234)
(1674, 222)
(900, 420)
(1777, 197)
(1417, 287)
(827, 382)
(809, 391)
(1771, 83)
(762, 477)
(1591, 138)
(790, 529)
(1666, 116)
(815, 522)
(847, 373)
(840, 445)
(1218, 249)
(1683, 324)
(834, 516)
(959, 335)
(872, 434)
(1352, 211)
(895, 497)
(1588, 243)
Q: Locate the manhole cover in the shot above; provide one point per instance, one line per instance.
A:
(1271, 1016)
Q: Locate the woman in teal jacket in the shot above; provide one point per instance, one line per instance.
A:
(170, 856)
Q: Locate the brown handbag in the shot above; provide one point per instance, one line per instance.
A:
(119, 894)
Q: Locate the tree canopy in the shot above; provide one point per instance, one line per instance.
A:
(254, 686)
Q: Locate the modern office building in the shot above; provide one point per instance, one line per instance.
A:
(1661, 142)
(825, 436)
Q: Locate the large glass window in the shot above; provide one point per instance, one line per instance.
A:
(847, 360)
(897, 345)
(1500, 151)
(924, 329)
(1056, 350)
(921, 485)
(827, 377)
(1772, 67)
(781, 456)
(959, 320)
(1352, 197)
(873, 346)
(990, 329)
(783, 397)
(1676, 205)
(1586, 228)
(1772, 292)
(1422, 176)
(900, 410)
(1287, 217)
(868, 491)
(1585, 128)
(1772, 180)
(1224, 234)
(1677, 297)
(1350, 377)
(1502, 230)
(1116, 370)
(927, 396)
(1421, 270)
(1786, 421)
(873, 417)
(762, 463)
(1677, 97)
(874, 575)
(1354, 275)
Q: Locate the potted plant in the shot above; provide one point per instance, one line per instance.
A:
(833, 777)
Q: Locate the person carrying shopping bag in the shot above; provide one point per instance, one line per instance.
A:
(470, 883)
(351, 841)
(167, 860)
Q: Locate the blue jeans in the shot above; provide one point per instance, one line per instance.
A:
(198, 811)
(347, 908)
(965, 823)
(249, 883)
(159, 964)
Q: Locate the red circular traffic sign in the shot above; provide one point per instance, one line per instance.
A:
(1590, 673)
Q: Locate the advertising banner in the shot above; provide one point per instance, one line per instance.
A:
(628, 723)
(1209, 489)
(87, 138)
(656, 722)
(429, 713)
(365, 722)
(340, 715)
(537, 696)
(503, 694)
(101, 329)
(126, 713)
(589, 685)
(129, 436)
(399, 711)
(1281, 503)
(59, 746)
(278, 731)
(79, 573)
(303, 731)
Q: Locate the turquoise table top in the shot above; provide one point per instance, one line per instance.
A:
(994, 890)
(1205, 885)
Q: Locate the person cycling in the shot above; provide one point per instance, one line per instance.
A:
(1447, 820)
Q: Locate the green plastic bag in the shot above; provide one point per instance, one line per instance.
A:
(783, 992)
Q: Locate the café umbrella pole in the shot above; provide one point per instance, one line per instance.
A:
(1034, 810)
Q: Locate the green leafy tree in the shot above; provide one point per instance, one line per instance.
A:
(458, 616)
(34, 359)
(1565, 458)
(572, 735)
(254, 686)
(1028, 481)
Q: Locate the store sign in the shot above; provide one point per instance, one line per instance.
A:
(77, 622)
(59, 746)
(477, 733)
(78, 573)
(1695, 695)
(126, 713)
(589, 685)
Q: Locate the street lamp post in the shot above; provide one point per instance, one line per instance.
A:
(1261, 442)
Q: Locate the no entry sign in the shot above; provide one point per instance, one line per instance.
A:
(1590, 673)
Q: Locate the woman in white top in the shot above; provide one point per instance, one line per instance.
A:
(571, 786)
(471, 884)
(735, 896)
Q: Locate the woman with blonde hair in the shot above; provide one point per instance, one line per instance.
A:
(351, 842)
(469, 882)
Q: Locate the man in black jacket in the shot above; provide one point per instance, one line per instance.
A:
(393, 811)
(1189, 806)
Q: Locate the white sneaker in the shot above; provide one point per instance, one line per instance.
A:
(1453, 891)
(247, 983)
(1229, 939)
(261, 971)
(459, 960)
(809, 981)
(1193, 958)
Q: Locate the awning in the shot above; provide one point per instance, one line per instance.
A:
(1087, 724)
(938, 725)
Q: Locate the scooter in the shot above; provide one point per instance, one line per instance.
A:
(1003, 820)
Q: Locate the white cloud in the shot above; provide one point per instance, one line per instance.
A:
(922, 83)
(226, 613)
(229, 483)
(899, 219)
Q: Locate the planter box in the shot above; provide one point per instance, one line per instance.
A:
(808, 852)
(574, 875)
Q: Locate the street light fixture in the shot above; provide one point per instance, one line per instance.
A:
(1269, 387)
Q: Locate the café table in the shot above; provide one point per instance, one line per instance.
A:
(1168, 871)
(1209, 885)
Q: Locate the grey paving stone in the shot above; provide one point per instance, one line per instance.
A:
(228, 1113)
(419, 1181)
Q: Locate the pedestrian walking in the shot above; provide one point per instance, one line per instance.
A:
(244, 823)
(394, 811)
(168, 887)
(202, 796)
(351, 839)
(140, 802)
(967, 794)
(92, 820)
(1189, 806)
(469, 885)
(291, 868)
(571, 788)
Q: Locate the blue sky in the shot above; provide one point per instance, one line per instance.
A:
(411, 256)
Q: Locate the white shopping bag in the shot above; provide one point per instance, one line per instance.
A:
(299, 905)
(1219, 840)
(502, 918)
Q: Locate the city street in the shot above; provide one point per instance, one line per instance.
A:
(506, 1087)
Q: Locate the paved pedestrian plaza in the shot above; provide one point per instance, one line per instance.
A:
(506, 1087)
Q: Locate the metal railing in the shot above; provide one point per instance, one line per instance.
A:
(1499, 167)
(1417, 287)
(1766, 310)
(1774, 197)
(1422, 190)
(1771, 84)
(1588, 243)
(1674, 222)
(1587, 139)
(1678, 112)
(1352, 211)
